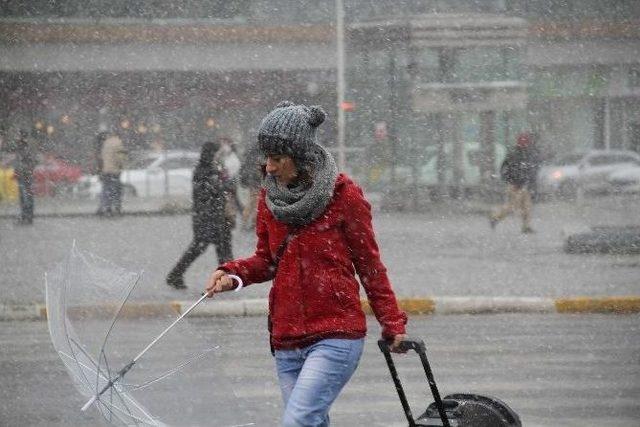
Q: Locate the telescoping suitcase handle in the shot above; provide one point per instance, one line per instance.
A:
(418, 346)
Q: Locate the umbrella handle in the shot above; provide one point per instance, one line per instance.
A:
(237, 288)
(237, 279)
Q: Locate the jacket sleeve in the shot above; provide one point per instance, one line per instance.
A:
(365, 256)
(258, 267)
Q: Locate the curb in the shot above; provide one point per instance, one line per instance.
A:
(150, 212)
(415, 306)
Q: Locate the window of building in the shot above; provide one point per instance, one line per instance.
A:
(427, 65)
(480, 65)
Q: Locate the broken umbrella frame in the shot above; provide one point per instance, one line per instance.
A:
(92, 374)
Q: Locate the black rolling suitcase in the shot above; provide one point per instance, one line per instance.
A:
(454, 410)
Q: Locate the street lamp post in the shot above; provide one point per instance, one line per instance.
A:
(340, 82)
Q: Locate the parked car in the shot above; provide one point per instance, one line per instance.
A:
(150, 175)
(589, 171)
(54, 176)
(625, 180)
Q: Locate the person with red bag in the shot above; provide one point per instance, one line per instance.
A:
(314, 234)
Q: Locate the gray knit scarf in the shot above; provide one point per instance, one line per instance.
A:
(301, 204)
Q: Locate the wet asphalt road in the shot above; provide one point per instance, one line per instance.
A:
(553, 370)
(436, 253)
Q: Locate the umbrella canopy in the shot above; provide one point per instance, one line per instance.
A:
(93, 325)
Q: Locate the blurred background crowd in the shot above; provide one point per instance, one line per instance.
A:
(432, 93)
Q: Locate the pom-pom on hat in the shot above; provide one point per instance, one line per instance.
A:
(290, 130)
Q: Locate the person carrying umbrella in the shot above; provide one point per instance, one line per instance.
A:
(314, 233)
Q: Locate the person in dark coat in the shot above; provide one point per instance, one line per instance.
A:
(315, 232)
(210, 225)
(519, 170)
(24, 165)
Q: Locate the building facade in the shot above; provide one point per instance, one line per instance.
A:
(436, 89)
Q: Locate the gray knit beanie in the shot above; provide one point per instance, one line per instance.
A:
(290, 130)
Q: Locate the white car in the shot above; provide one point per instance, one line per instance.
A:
(150, 175)
(588, 171)
(625, 180)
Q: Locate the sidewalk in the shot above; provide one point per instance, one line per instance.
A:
(47, 207)
(412, 306)
(444, 260)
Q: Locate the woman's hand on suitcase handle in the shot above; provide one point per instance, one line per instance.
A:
(395, 346)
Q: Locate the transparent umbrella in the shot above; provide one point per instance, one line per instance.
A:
(93, 325)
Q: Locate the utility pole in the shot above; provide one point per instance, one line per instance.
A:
(340, 87)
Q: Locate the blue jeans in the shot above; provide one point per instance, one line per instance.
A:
(311, 378)
(111, 197)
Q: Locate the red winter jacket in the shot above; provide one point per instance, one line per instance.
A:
(315, 294)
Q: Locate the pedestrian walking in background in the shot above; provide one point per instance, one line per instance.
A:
(24, 163)
(209, 219)
(251, 174)
(314, 232)
(97, 152)
(519, 170)
(112, 157)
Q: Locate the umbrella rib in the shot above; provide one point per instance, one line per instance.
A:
(118, 392)
(114, 320)
(130, 365)
(119, 407)
(76, 253)
(98, 370)
(122, 401)
(113, 412)
(83, 365)
(127, 367)
(66, 320)
(122, 396)
(115, 317)
(174, 370)
(135, 417)
(99, 374)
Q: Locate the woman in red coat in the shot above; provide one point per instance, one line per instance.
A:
(314, 234)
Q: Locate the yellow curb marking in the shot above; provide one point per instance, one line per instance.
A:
(176, 306)
(410, 305)
(598, 305)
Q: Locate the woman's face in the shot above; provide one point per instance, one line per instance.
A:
(282, 168)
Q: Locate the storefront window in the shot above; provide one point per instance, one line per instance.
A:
(480, 65)
(578, 82)
(427, 65)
